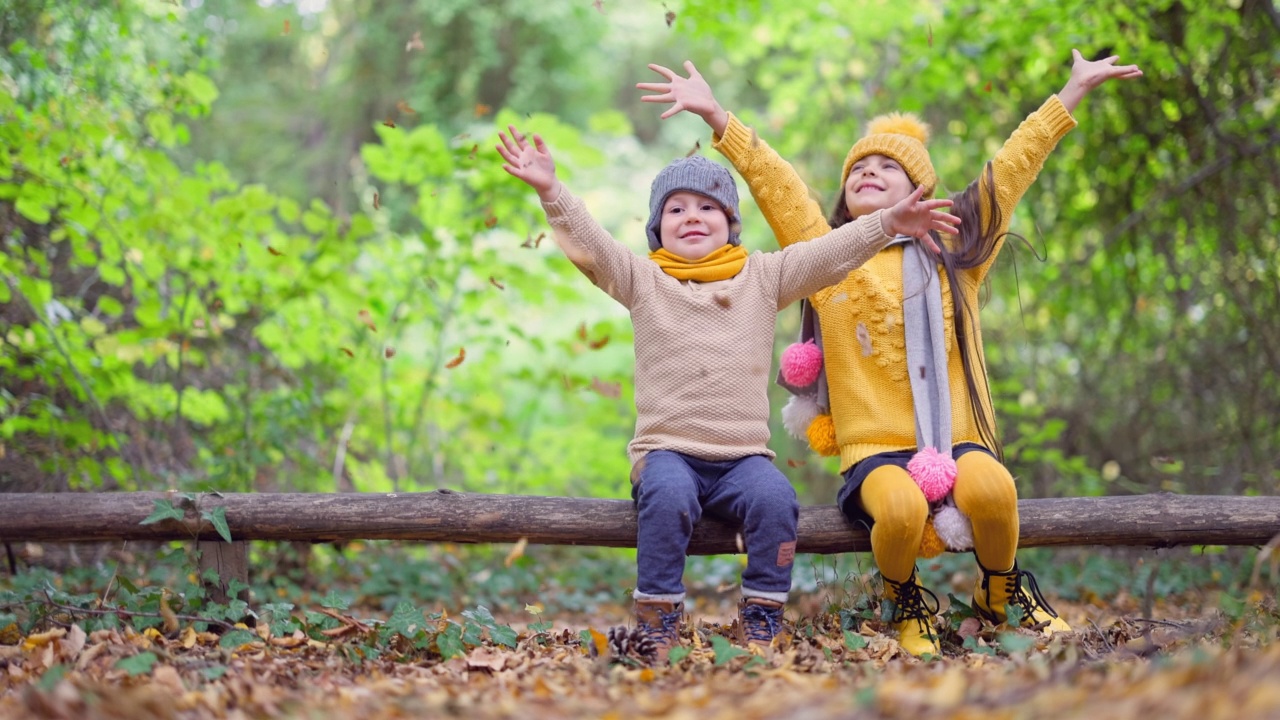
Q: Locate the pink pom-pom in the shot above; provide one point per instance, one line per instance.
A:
(801, 363)
(934, 472)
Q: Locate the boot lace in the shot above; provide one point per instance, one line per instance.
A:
(667, 629)
(1029, 602)
(911, 603)
(761, 623)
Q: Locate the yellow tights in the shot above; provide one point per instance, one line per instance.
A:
(984, 491)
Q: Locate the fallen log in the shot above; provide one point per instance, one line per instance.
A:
(1160, 520)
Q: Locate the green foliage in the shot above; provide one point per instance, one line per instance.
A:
(139, 664)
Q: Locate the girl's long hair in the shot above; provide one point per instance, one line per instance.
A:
(976, 242)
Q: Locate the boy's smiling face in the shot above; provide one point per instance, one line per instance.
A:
(875, 182)
(693, 225)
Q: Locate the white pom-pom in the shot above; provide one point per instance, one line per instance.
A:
(798, 413)
(953, 527)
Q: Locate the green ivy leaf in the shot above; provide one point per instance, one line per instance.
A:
(139, 664)
(677, 654)
(334, 601)
(51, 677)
(237, 638)
(1015, 643)
(725, 651)
(213, 673)
(503, 635)
(854, 641)
(218, 517)
(449, 642)
(406, 620)
(164, 511)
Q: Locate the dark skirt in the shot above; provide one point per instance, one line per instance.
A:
(848, 496)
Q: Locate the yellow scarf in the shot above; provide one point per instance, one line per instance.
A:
(719, 264)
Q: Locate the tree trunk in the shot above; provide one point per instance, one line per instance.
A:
(1162, 520)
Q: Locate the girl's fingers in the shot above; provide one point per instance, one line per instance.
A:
(667, 73)
(689, 68)
(518, 137)
(677, 108)
(507, 145)
(537, 143)
(654, 87)
(665, 97)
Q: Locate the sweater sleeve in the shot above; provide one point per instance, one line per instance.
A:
(805, 268)
(1018, 163)
(609, 265)
(778, 189)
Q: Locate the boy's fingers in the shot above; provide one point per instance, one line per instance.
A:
(653, 87)
(668, 73)
(1075, 55)
(665, 97)
(539, 144)
(689, 68)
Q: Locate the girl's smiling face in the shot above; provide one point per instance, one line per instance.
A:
(693, 225)
(875, 182)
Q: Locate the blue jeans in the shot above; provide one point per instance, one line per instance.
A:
(672, 491)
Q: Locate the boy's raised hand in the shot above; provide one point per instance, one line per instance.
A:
(915, 217)
(531, 163)
(1089, 74)
(692, 94)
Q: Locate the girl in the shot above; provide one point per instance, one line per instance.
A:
(901, 347)
(704, 314)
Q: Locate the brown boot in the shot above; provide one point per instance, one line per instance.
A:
(660, 621)
(913, 616)
(760, 620)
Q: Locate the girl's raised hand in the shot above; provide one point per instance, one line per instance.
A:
(692, 94)
(1089, 74)
(915, 217)
(531, 163)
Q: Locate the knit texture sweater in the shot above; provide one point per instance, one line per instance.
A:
(703, 351)
(864, 344)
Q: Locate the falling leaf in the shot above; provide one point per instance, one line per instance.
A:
(377, 201)
(864, 338)
(490, 221)
(462, 136)
(606, 389)
(404, 108)
(697, 145)
(474, 148)
(494, 282)
(582, 331)
(462, 355)
(598, 5)
(670, 17)
(930, 26)
(532, 242)
(348, 352)
(568, 384)
(597, 344)
(482, 109)
(286, 28)
(792, 462)
(517, 552)
(367, 319)
(274, 251)
(415, 43)
(389, 352)
(988, 87)
(389, 123)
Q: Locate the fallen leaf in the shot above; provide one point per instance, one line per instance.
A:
(599, 642)
(517, 552)
(415, 43)
(462, 355)
(988, 87)
(671, 17)
(969, 627)
(792, 462)
(474, 148)
(486, 658)
(170, 618)
(494, 282)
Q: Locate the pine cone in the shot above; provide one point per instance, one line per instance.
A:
(630, 643)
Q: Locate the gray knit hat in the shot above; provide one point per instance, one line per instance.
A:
(699, 175)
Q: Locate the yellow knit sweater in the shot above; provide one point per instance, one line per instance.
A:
(861, 316)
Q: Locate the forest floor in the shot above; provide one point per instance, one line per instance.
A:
(1188, 654)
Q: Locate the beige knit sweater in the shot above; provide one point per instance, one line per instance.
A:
(704, 350)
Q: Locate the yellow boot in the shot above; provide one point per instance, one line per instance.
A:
(996, 590)
(913, 616)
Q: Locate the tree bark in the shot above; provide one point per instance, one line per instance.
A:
(1161, 520)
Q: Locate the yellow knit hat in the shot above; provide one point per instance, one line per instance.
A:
(900, 136)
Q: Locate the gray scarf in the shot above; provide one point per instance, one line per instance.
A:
(926, 347)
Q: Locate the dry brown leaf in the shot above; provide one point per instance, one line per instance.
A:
(792, 462)
(517, 552)
(388, 352)
(389, 122)
(170, 618)
(607, 389)
(582, 331)
(367, 319)
(490, 220)
(697, 145)
(597, 344)
(347, 352)
(404, 109)
(415, 43)
(462, 355)
(274, 251)
(494, 282)
(482, 109)
(485, 658)
(377, 201)
(286, 28)
(670, 17)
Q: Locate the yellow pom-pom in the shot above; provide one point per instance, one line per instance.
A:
(931, 546)
(822, 436)
(900, 124)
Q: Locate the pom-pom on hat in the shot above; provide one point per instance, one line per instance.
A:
(901, 136)
(695, 174)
